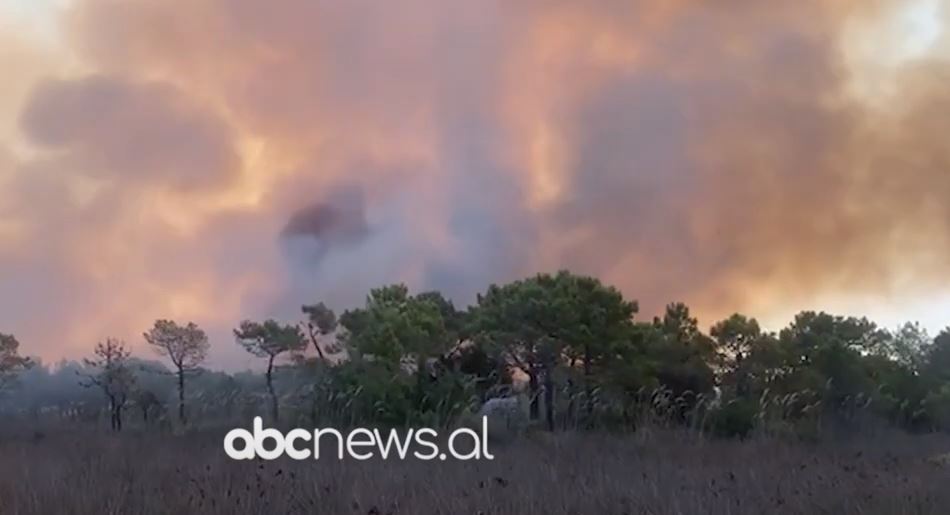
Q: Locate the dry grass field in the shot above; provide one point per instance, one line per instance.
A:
(91, 473)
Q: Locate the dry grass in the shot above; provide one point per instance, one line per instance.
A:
(670, 473)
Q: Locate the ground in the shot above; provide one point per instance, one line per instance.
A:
(657, 473)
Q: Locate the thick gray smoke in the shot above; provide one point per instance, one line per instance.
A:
(226, 159)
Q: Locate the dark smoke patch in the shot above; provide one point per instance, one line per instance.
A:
(338, 221)
(325, 222)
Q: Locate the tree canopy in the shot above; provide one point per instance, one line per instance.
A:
(576, 347)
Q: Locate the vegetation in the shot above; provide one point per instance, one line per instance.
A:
(269, 340)
(660, 473)
(185, 346)
(573, 342)
(112, 376)
(681, 416)
(10, 360)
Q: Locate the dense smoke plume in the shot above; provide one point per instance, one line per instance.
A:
(225, 159)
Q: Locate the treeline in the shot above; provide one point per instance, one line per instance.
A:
(576, 345)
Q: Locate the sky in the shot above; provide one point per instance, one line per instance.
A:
(216, 160)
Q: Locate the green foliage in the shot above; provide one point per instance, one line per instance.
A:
(406, 363)
(269, 338)
(321, 321)
(359, 391)
(487, 370)
(402, 359)
(735, 419)
(186, 346)
(10, 360)
(735, 337)
(320, 317)
(847, 367)
(937, 406)
(681, 355)
(548, 321)
(527, 319)
(394, 326)
(907, 346)
(937, 365)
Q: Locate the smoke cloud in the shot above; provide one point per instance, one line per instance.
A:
(119, 129)
(225, 159)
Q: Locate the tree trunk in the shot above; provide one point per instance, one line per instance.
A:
(549, 398)
(422, 373)
(588, 391)
(115, 415)
(270, 389)
(742, 383)
(181, 397)
(571, 416)
(533, 389)
(316, 343)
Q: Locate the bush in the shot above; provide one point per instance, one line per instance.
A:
(937, 408)
(735, 419)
